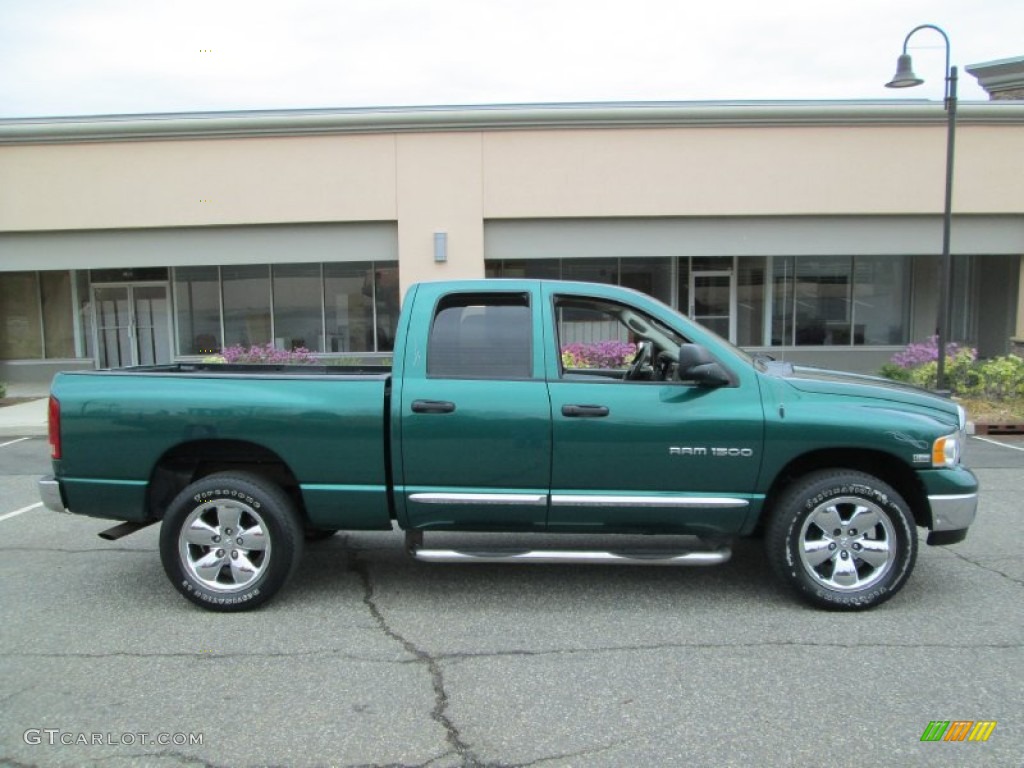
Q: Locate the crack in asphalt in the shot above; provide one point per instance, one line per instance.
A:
(422, 657)
(470, 655)
(12, 763)
(568, 755)
(181, 757)
(996, 571)
(439, 712)
(9, 697)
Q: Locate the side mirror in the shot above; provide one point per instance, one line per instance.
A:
(697, 365)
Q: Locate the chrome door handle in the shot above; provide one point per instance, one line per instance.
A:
(585, 411)
(432, 406)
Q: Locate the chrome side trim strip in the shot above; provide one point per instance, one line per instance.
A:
(678, 502)
(653, 557)
(572, 500)
(953, 512)
(521, 499)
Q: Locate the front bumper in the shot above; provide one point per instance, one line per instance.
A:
(49, 492)
(952, 515)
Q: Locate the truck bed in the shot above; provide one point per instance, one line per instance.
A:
(322, 427)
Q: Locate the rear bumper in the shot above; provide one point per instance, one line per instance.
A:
(50, 493)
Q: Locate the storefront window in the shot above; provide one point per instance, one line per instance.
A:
(591, 270)
(84, 310)
(21, 332)
(361, 306)
(534, 269)
(197, 304)
(246, 305)
(298, 307)
(880, 308)
(58, 318)
(813, 301)
(388, 298)
(840, 300)
(750, 301)
(823, 300)
(651, 276)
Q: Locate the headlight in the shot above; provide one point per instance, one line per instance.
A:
(946, 451)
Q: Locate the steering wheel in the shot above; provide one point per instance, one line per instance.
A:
(642, 358)
(662, 366)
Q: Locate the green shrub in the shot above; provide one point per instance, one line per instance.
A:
(895, 372)
(3, 390)
(925, 375)
(1001, 378)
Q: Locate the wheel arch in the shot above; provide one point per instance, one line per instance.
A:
(886, 467)
(188, 462)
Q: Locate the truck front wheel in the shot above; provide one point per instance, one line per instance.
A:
(230, 541)
(842, 539)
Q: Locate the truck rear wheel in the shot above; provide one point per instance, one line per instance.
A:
(843, 540)
(230, 541)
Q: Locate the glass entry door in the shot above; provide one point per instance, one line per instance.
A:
(713, 301)
(133, 325)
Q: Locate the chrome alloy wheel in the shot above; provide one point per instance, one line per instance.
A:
(847, 544)
(224, 545)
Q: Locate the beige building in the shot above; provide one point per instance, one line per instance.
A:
(809, 230)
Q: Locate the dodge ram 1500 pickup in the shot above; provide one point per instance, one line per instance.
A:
(519, 406)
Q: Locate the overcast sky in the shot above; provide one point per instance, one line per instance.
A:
(79, 57)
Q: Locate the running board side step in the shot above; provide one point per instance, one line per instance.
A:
(124, 529)
(589, 557)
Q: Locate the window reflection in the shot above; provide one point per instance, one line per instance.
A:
(197, 303)
(297, 307)
(246, 305)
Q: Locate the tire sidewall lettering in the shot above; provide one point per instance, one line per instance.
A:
(205, 497)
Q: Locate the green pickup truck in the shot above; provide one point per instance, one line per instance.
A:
(519, 406)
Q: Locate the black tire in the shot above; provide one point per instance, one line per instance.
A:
(230, 541)
(816, 545)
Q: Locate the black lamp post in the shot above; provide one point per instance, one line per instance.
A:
(905, 78)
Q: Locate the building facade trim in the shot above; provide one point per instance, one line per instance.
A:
(206, 125)
(187, 246)
(749, 236)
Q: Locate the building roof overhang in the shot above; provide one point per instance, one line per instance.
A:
(998, 76)
(371, 120)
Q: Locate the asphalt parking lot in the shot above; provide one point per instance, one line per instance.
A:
(367, 658)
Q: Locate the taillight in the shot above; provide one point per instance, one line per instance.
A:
(54, 428)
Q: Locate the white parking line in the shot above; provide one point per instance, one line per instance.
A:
(12, 442)
(17, 512)
(996, 442)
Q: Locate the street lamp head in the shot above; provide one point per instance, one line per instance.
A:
(904, 77)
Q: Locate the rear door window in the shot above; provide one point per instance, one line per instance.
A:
(481, 336)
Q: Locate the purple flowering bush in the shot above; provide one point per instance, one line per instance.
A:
(266, 354)
(599, 354)
(927, 351)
